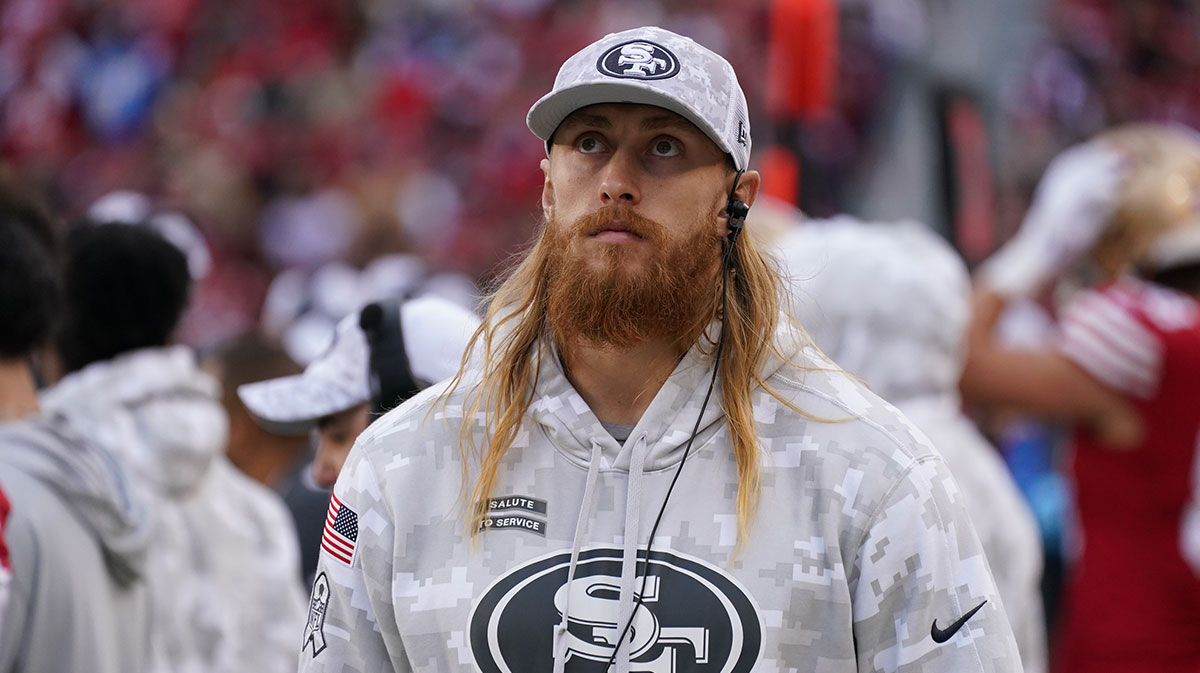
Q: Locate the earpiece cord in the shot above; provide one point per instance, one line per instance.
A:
(686, 450)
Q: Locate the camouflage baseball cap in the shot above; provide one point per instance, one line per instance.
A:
(334, 382)
(436, 333)
(651, 66)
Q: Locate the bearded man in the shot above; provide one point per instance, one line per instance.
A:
(584, 496)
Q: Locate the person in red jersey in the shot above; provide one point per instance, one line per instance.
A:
(1124, 369)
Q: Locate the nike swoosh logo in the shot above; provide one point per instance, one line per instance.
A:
(942, 635)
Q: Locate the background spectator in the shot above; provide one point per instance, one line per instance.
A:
(222, 571)
(279, 461)
(75, 538)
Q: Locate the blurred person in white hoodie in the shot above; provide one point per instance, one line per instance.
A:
(75, 536)
(223, 564)
(891, 302)
(281, 462)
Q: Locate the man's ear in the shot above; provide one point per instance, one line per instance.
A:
(547, 191)
(747, 188)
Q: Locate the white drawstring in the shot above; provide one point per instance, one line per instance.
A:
(586, 510)
(633, 523)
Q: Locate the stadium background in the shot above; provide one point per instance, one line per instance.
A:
(296, 133)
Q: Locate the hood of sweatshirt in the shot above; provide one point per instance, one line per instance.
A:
(155, 409)
(889, 303)
(90, 480)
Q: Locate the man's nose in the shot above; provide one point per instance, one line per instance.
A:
(621, 181)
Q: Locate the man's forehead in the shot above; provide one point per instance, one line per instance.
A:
(648, 117)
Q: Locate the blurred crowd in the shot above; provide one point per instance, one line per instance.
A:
(1101, 64)
(326, 154)
(299, 133)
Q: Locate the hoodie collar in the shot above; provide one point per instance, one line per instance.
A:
(667, 423)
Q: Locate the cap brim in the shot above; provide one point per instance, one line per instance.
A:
(293, 404)
(549, 112)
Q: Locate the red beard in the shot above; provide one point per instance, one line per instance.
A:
(618, 304)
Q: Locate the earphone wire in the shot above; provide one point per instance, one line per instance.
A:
(712, 382)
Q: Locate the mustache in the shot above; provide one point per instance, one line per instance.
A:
(619, 218)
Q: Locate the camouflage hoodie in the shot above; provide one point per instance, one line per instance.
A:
(861, 557)
(223, 569)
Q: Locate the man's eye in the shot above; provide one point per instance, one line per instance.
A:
(589, 145)
(665, 147)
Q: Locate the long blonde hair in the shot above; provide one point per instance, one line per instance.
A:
(512, 336)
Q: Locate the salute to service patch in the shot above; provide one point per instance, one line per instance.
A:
(512, 512)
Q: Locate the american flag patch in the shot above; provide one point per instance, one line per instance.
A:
(341, 531)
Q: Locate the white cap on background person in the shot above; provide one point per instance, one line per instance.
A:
(436, 332)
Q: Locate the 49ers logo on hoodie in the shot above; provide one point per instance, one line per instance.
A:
(692, 618)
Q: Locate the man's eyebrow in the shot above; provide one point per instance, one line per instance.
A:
(587, 119)
(660, 122)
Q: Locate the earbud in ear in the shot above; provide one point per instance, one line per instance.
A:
(737, 210)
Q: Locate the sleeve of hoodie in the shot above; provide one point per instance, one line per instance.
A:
(923, 598)
(351, 620)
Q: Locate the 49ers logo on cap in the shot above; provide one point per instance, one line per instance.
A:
(638, 60)
(692, 618)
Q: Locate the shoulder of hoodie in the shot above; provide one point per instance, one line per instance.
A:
(55, 557)
(421, 415)
(841, 405)
(40, 520)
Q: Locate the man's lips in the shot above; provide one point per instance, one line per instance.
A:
(615, 231)
(613, 236)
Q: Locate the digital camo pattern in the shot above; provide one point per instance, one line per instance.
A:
(902, 328)
(652, 66)
(1001, 516)
(223, 566)
(861, 542)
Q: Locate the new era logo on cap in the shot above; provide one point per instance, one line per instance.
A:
(638, 59)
